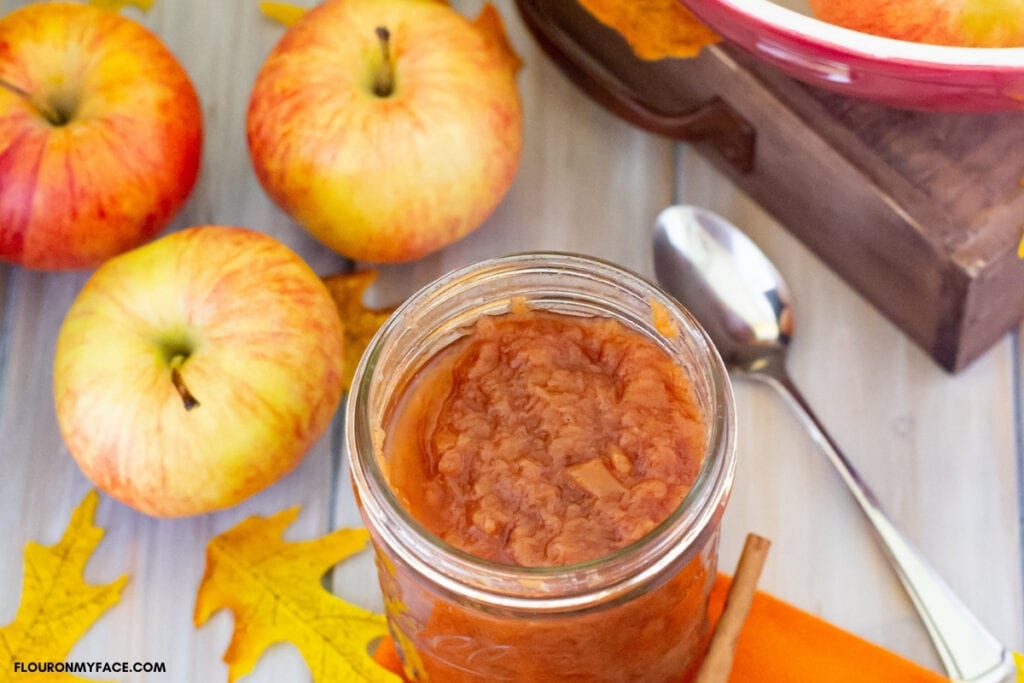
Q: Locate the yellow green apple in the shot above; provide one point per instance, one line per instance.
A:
(100, 135)
(387, 128)
(196, 370)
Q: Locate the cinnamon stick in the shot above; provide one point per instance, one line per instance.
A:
(717, 664)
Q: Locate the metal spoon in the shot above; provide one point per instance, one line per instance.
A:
(714, 270)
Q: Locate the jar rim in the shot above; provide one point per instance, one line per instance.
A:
(491, 582)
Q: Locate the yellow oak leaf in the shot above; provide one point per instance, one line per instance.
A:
(118, 5)
(272, 587)
(359, 322)
(654, 28)
(283, 12)
(57, 604)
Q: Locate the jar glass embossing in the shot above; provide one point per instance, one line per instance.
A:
(636, 614)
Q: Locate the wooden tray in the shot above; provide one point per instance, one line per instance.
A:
(921, 212)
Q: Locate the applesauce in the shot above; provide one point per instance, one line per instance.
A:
(541, 446)
(544, 439)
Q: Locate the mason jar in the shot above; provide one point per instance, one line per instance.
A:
(637, 614)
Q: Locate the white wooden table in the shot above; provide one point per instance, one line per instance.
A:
(941, 452)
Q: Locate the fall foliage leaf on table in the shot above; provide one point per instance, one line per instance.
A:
(654, 28)
(57, 604)
(489, 23)
(272, 587)
(283, 12)
(358, 322)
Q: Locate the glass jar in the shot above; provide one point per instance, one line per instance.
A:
(639, 614)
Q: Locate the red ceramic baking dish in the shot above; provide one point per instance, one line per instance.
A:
(894, 72)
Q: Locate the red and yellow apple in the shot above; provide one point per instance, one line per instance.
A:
(197, 370)
(387, 128)
(969, 23)
(100, 135)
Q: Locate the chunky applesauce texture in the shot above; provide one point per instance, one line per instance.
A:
(545, 439)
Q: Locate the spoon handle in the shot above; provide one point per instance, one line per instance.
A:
(969, 653)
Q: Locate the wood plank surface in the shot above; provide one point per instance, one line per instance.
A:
(940, 451)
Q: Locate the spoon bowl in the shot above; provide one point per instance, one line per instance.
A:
(742, 302)
(726, 282)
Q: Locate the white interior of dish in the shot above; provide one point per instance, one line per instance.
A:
(794, 16)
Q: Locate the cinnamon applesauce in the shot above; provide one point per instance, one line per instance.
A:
(542, 439)
(542, 447)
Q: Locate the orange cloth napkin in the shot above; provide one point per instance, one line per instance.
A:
(782, 644)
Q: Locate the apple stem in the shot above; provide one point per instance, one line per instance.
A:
(187, 398)
(49, 113)
(385, 83)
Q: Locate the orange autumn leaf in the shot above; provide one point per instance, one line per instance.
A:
(654, 28)
(272, 587)
(489, 23)
(387, 656)
(359, 322)
(283, 12)
(57, 604)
